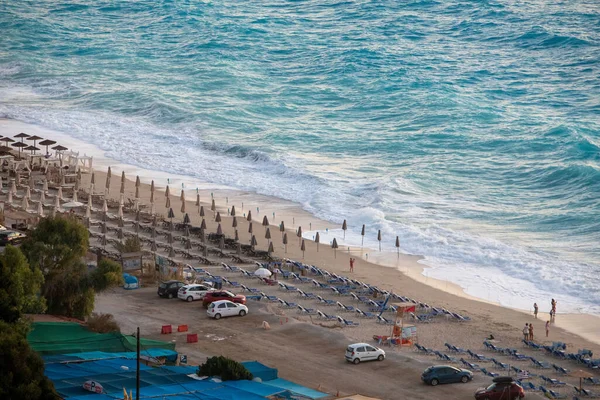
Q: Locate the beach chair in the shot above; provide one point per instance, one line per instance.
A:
(500, 364)
(255, 297)
(365, 314)
(345, 308)
(345, 322)
(589, 393)
(540, 364)
(471, 366)
(383, 320)
(560, 369)
(460, 318)
(454, 348)
(439, 354)
(270, 298)
(327, 302)
(286, 304)
(489, 346)
(420, 318)
(450, 359)
(270, 282)
(529, 386)
(310, 296)
(326, 316)
(592, 381)
(489, 373)
(307, 311)
(552, 381)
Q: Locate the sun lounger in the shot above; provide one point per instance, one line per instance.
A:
(255, 297)
(500, 364)
(345, 322)
(589, 393)
(540, 364)
(552, 394)
(454, 348)
(308, 311)
(592, 381)
(270, 298)
(327, 302)
(383, 320)
(450, 359)
(552, 381)
(528, 386)
(286, 304)
(365, 314)
(306, 295)
(560, 369)
(489, 373)
(326, 316)
(345, 308)
(471, 366)
(270, 282)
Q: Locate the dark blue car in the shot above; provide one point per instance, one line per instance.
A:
(445, 374)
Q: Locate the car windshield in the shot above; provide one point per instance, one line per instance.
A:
(491, 387)
(428, 370)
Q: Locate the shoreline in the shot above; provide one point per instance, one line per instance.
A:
(401, 273)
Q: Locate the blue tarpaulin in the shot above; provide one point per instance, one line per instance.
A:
(294, 387)
(261, 371)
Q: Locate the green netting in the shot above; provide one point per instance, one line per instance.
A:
(68, 337)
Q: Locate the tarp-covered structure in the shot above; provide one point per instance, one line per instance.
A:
(69, 337)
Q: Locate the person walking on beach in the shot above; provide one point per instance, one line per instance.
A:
(553, 310)
(547, 328)
(535, 310)
(352, 264)
(526, 331)
(531, 332)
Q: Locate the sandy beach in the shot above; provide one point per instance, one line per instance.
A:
(400, 274)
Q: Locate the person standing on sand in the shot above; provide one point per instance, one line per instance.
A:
(531, 332)
(351, 264)
(526, 331)
(547, 328)
(535, 310)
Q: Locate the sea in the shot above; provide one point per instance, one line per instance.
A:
(470, 129)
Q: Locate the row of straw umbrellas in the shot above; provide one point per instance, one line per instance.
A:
(22, 146)
(217, 215)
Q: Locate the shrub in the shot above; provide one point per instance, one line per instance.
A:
(226, 368)
(102, 323)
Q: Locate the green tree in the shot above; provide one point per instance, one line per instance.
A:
(58, 246)
(21, 368)
(225, 368)
(19, 286)
(57, 241)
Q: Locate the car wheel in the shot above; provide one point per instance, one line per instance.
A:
(190, 299)
(242, 313)
(170, 296)
(217, 316)
(464, 379)
(380, 358)
(356, 361)
(434, 382)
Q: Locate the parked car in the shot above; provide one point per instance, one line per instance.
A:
(193, 292)
(169, 289)
(502, 387)
(11, 237)
(357, 352)
(217, 295)
(226, 308)
(445, 374)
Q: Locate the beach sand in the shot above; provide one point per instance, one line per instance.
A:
(401, 274)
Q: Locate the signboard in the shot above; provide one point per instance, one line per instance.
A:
(93, 386)
(131, 261)
(183, 359)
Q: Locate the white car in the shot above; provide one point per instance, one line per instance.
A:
(226, 308)
(357, 352)
(193, 292)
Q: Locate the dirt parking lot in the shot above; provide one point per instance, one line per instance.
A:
(303, 351)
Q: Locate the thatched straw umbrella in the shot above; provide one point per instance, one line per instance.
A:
(47, 142)
(107, 186)
(253, 242)
(303, 248)
(213, 206)
(285, 241)
(137, 192)
(222, 243)
(20, 145)
(282, 228)
(334, 246)
(182, 197)
(232, 211)
(362, 233)
(270, 249)
(268, 235)
(197, 198)
(152, 198)
(249, 218)
(344, 228)
(398, 245)
(265, 222)
(317, 240)
(299, 234)
(219, 230)
(234, 222)
(218, 217)
(203, 224)
(186, 220)
(237, 236)
(202, 214)
(379, 238)
(250, 227)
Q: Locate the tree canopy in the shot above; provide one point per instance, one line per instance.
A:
(57, 246)
(19, 286)
(21, 368)
(225, 368)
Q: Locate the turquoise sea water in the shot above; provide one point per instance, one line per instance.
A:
(471, 129)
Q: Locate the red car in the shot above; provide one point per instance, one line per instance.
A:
(503, 387)
(216, 295)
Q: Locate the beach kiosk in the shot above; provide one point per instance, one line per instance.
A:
(404, 334)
